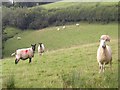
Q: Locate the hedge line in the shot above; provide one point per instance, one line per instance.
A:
(36, 18)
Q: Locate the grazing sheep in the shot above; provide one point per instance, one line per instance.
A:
(24, 53)
(58, 29)
(104, 55)
(105, 37)
(41, 48)
(18, 38)
(64, 27)
(77, 24)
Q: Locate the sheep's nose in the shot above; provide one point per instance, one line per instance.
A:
(103, 46)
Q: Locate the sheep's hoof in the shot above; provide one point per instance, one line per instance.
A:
(29, 61)
(16, 62)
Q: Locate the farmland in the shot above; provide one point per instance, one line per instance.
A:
(69, 60)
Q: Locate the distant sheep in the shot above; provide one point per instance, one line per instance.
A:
(105, 37)
(64, 27)
(24, 53)
(41, 48)
(58, 29)
(18, 38)
(104, 55)
(77, 24)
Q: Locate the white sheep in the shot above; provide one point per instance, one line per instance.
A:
(64, 27)
(77, 24)
(18, 38)
(105, 37)
(24, 53)
(41, 48)
(58, 29)
(104, 55)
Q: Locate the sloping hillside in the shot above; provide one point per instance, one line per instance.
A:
(62, 4)
(53, 39)
(74, 67)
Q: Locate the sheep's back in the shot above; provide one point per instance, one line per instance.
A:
(24, 53)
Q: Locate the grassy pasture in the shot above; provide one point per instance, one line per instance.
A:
(69, 62)
(70, 36)
(72, 4)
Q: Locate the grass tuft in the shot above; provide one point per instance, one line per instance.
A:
(10, 84)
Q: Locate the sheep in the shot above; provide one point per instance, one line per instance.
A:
(105, 37)
(77, 24)
(64, 27)
(58, 29)
(24, 54)
(41, 48)
(18, 38)
(104, 55)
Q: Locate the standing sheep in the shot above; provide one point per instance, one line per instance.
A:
(77, 24)
(58, 29)
(41, 48)
(64, 27)
(24, 54)
(105, 37)
(104, 55)
(18, 38)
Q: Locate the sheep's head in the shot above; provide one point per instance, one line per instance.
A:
(103, 43)
(33, 47)
(40, 44)
(105, 37)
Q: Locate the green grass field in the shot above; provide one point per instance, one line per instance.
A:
(62, 4)
(69, 60)
(65, 38)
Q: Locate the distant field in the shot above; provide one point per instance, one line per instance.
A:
(72, 4)
(69, 60)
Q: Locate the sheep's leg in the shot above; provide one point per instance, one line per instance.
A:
(100, 67)
(111, 65)
(40, 54)
(16, 60)
(103, 67)
(30, 60)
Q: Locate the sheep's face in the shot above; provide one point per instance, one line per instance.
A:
(105, 37)
(40, 44)
(103, 43)
(33, 47)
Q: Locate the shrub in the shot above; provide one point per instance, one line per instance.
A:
(38, 17)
